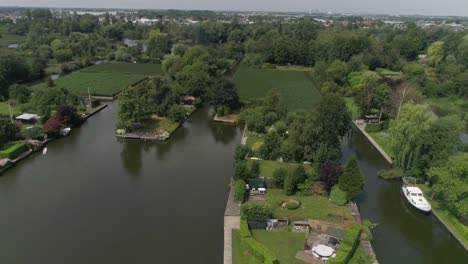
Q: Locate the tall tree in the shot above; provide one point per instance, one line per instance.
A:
(330, 172)
(351, 180)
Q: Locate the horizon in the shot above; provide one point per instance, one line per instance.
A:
(451, 8)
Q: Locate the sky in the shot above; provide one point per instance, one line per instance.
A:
(392, 7)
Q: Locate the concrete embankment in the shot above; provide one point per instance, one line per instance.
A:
(361, 128)
(231, 221)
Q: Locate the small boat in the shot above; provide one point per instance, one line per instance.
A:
(65, 131)
(414, 195)
(44, 151)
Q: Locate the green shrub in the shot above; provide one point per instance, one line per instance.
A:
(394, 173)
(33, 133)
(292, 204)
(258, 250)
(348, 246)
(239, 191)
(338, 196)
(13, 151)
(374, 127)
(251, 210)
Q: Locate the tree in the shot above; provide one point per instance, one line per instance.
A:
(20, 93)
(279, 176)
(289, 184)
(257, 211)
(8, 130)
(241, 152)
(330, 172)
(44, 100)
(450, 185)
(134, 107)
(435, 53)
(255, 169)
(240, 170)
(53, 125)
(351, 180)
(13, 69)
(407, 132)
(68, 115)
(271, 147)
(223, 93)
(239, 191)
(177, 113)
(63, 55)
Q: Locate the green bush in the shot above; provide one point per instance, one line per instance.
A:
(239, 191)
(292, 204)
(34, 133)
(374, 127)
(348, 246)
(338, 196)
(258, 250)
(252, 210)
(13, 151)
(394, 173)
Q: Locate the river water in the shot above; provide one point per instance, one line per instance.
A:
(94, 199)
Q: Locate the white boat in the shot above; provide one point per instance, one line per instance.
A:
(44, 151)
(414, 195)
(65, 131)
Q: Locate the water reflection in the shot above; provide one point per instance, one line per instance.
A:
(131, 156)
(223, 133)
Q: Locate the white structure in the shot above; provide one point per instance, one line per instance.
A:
(27, 117)
(415, 197)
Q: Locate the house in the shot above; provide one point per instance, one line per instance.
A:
(188, 100)
(27, 118)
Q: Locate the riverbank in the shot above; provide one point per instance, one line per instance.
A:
(361, 127)
(40, 144)
(443, 216)
(157, 129)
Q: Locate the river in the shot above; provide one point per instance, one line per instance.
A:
(94, 199)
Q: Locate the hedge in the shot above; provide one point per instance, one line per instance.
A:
(348, 246)
(257, 249)
(239, 191)
(374, 127)
(13, 151)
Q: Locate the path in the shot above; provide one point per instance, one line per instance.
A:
(231, 221)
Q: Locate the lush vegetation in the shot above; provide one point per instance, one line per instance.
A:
(125, 68)
(348, 246)
(13, 151)
(240, 253)
(284, 243)
(262, 253)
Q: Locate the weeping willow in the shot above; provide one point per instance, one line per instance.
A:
(407, 133)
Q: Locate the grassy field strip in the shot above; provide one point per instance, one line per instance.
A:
(298, 91)
(125, 68)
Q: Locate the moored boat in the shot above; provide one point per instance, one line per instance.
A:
(414, 195)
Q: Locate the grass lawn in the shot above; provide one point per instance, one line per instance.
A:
(8, 38)
(125, 68)
(352, 107)
(99, 84)
(268, 167)
(384, 142)
(296, 87)
(283, 243)
(252, 140)
(293, 68)
(460, 230)
(5, 111)
(312, 207)
(240, 254)
(359, 257)
(387, 72)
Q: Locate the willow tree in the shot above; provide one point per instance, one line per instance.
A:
(407, 132)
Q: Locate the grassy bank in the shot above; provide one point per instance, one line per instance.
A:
(240, 253)
(384, 142)
(312, 207)
(4, 110)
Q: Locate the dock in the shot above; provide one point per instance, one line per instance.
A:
(231, 221)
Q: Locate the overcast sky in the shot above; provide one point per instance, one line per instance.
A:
(423, 7)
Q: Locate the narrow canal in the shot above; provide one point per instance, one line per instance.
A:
(403, 234)
(93, 199)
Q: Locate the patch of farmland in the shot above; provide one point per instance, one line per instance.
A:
(296, 87)
(99, 84)
(125, 68)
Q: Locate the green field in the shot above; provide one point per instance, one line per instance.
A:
(8, 38)
(99, 84)
(4, 110)
(296, 87)
(125, 68)
(283, 243)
